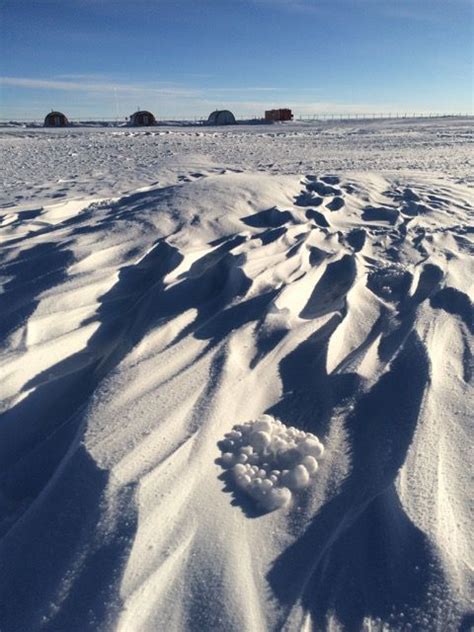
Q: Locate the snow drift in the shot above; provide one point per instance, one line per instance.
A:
(142, 332)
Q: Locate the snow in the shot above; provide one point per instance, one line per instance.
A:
(270, 460)
(187, 317)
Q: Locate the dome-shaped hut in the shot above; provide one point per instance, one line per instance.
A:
(55, 119)
(221, 117)
(142, 118)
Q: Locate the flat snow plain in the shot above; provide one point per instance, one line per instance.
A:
(162, 286)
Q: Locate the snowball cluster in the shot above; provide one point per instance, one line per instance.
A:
(269, 460)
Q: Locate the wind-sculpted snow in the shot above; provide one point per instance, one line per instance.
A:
(110, 161)
(180, 335)
(269, 460)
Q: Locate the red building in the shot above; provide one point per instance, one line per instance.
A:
(284, 114)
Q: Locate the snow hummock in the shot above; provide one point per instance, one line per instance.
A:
(270, 460)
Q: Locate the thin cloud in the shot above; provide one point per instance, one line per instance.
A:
(257, 107)
(244, 89)
(294, 6)
(91, 84)
(419, 10)
(118, 99)
(85, 86)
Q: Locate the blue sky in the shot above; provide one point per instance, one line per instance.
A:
(187, 57)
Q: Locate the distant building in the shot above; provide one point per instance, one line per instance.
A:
(55, 119)
(142, 118)
(221, 117)
(283, 114)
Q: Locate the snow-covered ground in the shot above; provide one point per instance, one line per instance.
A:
(162, 288)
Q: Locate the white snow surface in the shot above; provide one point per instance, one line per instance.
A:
(162, 288)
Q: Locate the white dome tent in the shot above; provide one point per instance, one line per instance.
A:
(221, 117)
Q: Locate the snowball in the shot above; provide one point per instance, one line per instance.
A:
(243, 481)
(278, 444)
(260, 440)
(310, 464)
(227, 459)
(276, 498)
(239, 469)
(312, 447)
(297, 478)
(264, 423)
(288, 458)
(269, 460)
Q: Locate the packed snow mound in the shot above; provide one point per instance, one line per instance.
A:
(269, 460)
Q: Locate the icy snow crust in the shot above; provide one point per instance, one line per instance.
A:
(162, 288)
(270, 460)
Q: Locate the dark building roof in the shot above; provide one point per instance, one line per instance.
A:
(55, 119)
(142, 117)
(221, 117)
